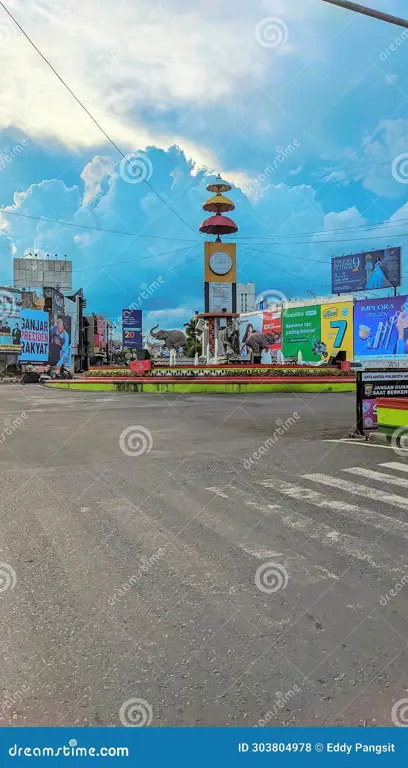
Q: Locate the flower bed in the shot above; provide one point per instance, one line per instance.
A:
(219, 371)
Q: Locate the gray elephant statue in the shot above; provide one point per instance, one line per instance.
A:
(225, 336)
(172, 339)
(257, 342)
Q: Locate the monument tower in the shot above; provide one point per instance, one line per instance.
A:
(220, 268)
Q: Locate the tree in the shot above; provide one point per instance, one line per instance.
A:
(193, 343)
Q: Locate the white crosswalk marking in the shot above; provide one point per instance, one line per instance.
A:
(382, 477)
(395, 465)
(358, 490)
(375, 519)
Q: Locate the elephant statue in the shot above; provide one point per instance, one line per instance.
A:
(225, 336)
(257, 342)
(172, 339)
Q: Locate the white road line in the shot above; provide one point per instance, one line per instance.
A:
(218, 492)
(345, 544)
(358, 490)
(395, 465)
(359, 514)
(382, 477)
(360, 442)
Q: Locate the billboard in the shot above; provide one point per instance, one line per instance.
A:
(381, 329)
(37, 273)
(301, 332)
(132, 328)
(366, 271)
(337, 329)
(10, 320)
(99, 333)
(35, 336)
(272, 324)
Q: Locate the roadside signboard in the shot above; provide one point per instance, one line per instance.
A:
(132, 328)
(35, 336)
(377, 383)
(366, 271)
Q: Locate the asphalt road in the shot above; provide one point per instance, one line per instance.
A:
(213, 557)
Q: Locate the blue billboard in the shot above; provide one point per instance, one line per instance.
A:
(132, 328)
(381, 328)
(34, 336)
(366, 271)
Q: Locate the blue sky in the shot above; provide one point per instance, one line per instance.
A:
(302, 106)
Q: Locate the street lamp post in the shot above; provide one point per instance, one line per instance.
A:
(357, 8)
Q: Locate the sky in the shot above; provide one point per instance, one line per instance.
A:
(302, 106)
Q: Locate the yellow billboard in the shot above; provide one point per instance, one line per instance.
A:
(337, 328)
(220, 263)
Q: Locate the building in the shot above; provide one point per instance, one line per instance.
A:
(245, 297)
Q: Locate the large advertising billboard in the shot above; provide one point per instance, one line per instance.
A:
(99, 333)
(381, 328)
(35, 336)
(366, 271)
(132, 328)
(337, 329)
(10, 320)
(301, 332)
(272, 325)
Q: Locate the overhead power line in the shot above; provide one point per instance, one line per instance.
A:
(97, 229)
(357, 8)
(279, 269)
(341, 230)
(98, 125)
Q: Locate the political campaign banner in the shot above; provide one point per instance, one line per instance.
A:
(381, 328)
(60, 342)
(132, 328)
(10, 320)
(366, 271)
(337, 329)
(35, 336)
(301, 332)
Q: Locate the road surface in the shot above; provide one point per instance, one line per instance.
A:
(215, 558)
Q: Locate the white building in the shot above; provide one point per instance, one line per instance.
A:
(245, 297)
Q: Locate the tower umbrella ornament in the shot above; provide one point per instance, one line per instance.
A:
(218, 204)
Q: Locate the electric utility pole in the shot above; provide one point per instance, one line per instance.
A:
(357, 8)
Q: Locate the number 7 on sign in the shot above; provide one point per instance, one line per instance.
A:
(341, 326)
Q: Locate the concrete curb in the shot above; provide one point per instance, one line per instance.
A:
(378, 438)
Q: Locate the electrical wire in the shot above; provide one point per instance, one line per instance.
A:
(279, 269)
(97, 229)
(98, 125)
(383, 224)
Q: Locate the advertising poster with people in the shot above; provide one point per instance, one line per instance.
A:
(10, 320)
(337, 329)
(301, 332)
(367, 271)
(99, 333)
(251, 323)
(381, 328)
(35, 336)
